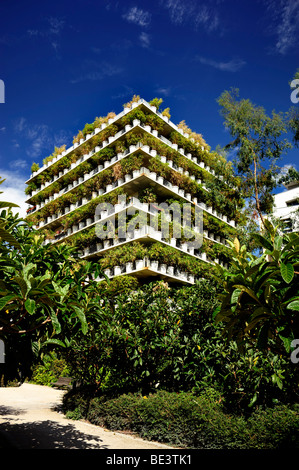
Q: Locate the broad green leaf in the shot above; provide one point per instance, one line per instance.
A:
(293, 305)
(235, 296)
(237, 245)
(6, 299)
(263, 241)
(80, 314)
(287, 272)
(268, 225)
(9, 238)
(248, 291)
(54, 341)
(253, 400)
(7, 204)
(30, 306)
(22, 284)
(55, 321)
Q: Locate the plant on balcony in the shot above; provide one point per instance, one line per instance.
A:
(78, 137)
(166, 113)
(88, 129)
(119, 146)
(147, 195)
(57, 151)
(156, 102)
(34, 167)
(134, 99)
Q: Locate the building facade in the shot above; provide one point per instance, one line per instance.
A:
(140, 195)
(286, 206)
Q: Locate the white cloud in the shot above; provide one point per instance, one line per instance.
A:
(145, 40)
(51, 31)
(230, 66)
(284, 24)
(138, 16)
(288, 26)
(18, 164)
(100, 71)
(163, 91)
(38, 136)
(13, 190)
(198, 14)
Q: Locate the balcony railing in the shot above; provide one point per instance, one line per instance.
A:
(172, 189)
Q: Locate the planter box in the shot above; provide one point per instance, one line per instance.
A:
(128, 178)
(117, 270)
(129, 267)
(173, 241)
(139, 263)
(170, 270)
(136, 173)
(136, 122)
(145, 148)
(154, 265)
(160, 179)
(162, 268)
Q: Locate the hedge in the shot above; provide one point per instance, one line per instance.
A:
(189, 421)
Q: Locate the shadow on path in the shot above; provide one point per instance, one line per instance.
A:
(48, 435)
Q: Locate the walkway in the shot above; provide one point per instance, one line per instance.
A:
(28, 421)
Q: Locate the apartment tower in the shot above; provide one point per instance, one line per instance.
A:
(139, 195)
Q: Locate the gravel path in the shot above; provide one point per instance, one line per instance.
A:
(28, 421)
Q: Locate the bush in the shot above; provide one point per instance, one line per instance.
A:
(273, 428)
(182, 419)
(187, 420)
(48, 372)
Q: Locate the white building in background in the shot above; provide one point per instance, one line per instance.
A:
(287, 205)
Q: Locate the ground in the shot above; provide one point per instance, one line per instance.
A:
(29, 419)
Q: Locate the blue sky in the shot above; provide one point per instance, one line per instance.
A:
(64, 63)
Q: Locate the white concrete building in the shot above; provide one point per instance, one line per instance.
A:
(287, 205)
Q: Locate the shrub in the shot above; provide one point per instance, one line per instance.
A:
(273, 428)
(51, 369)
(176, 418)
(187, 420)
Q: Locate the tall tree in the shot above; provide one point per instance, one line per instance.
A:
(45, 292)
(258, 144)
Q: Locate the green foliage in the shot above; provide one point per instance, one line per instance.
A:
(259, 143)
(188, 420)
(49, 370)
(156, 102)
(44, 295)
(34, 167)
(260, 293)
